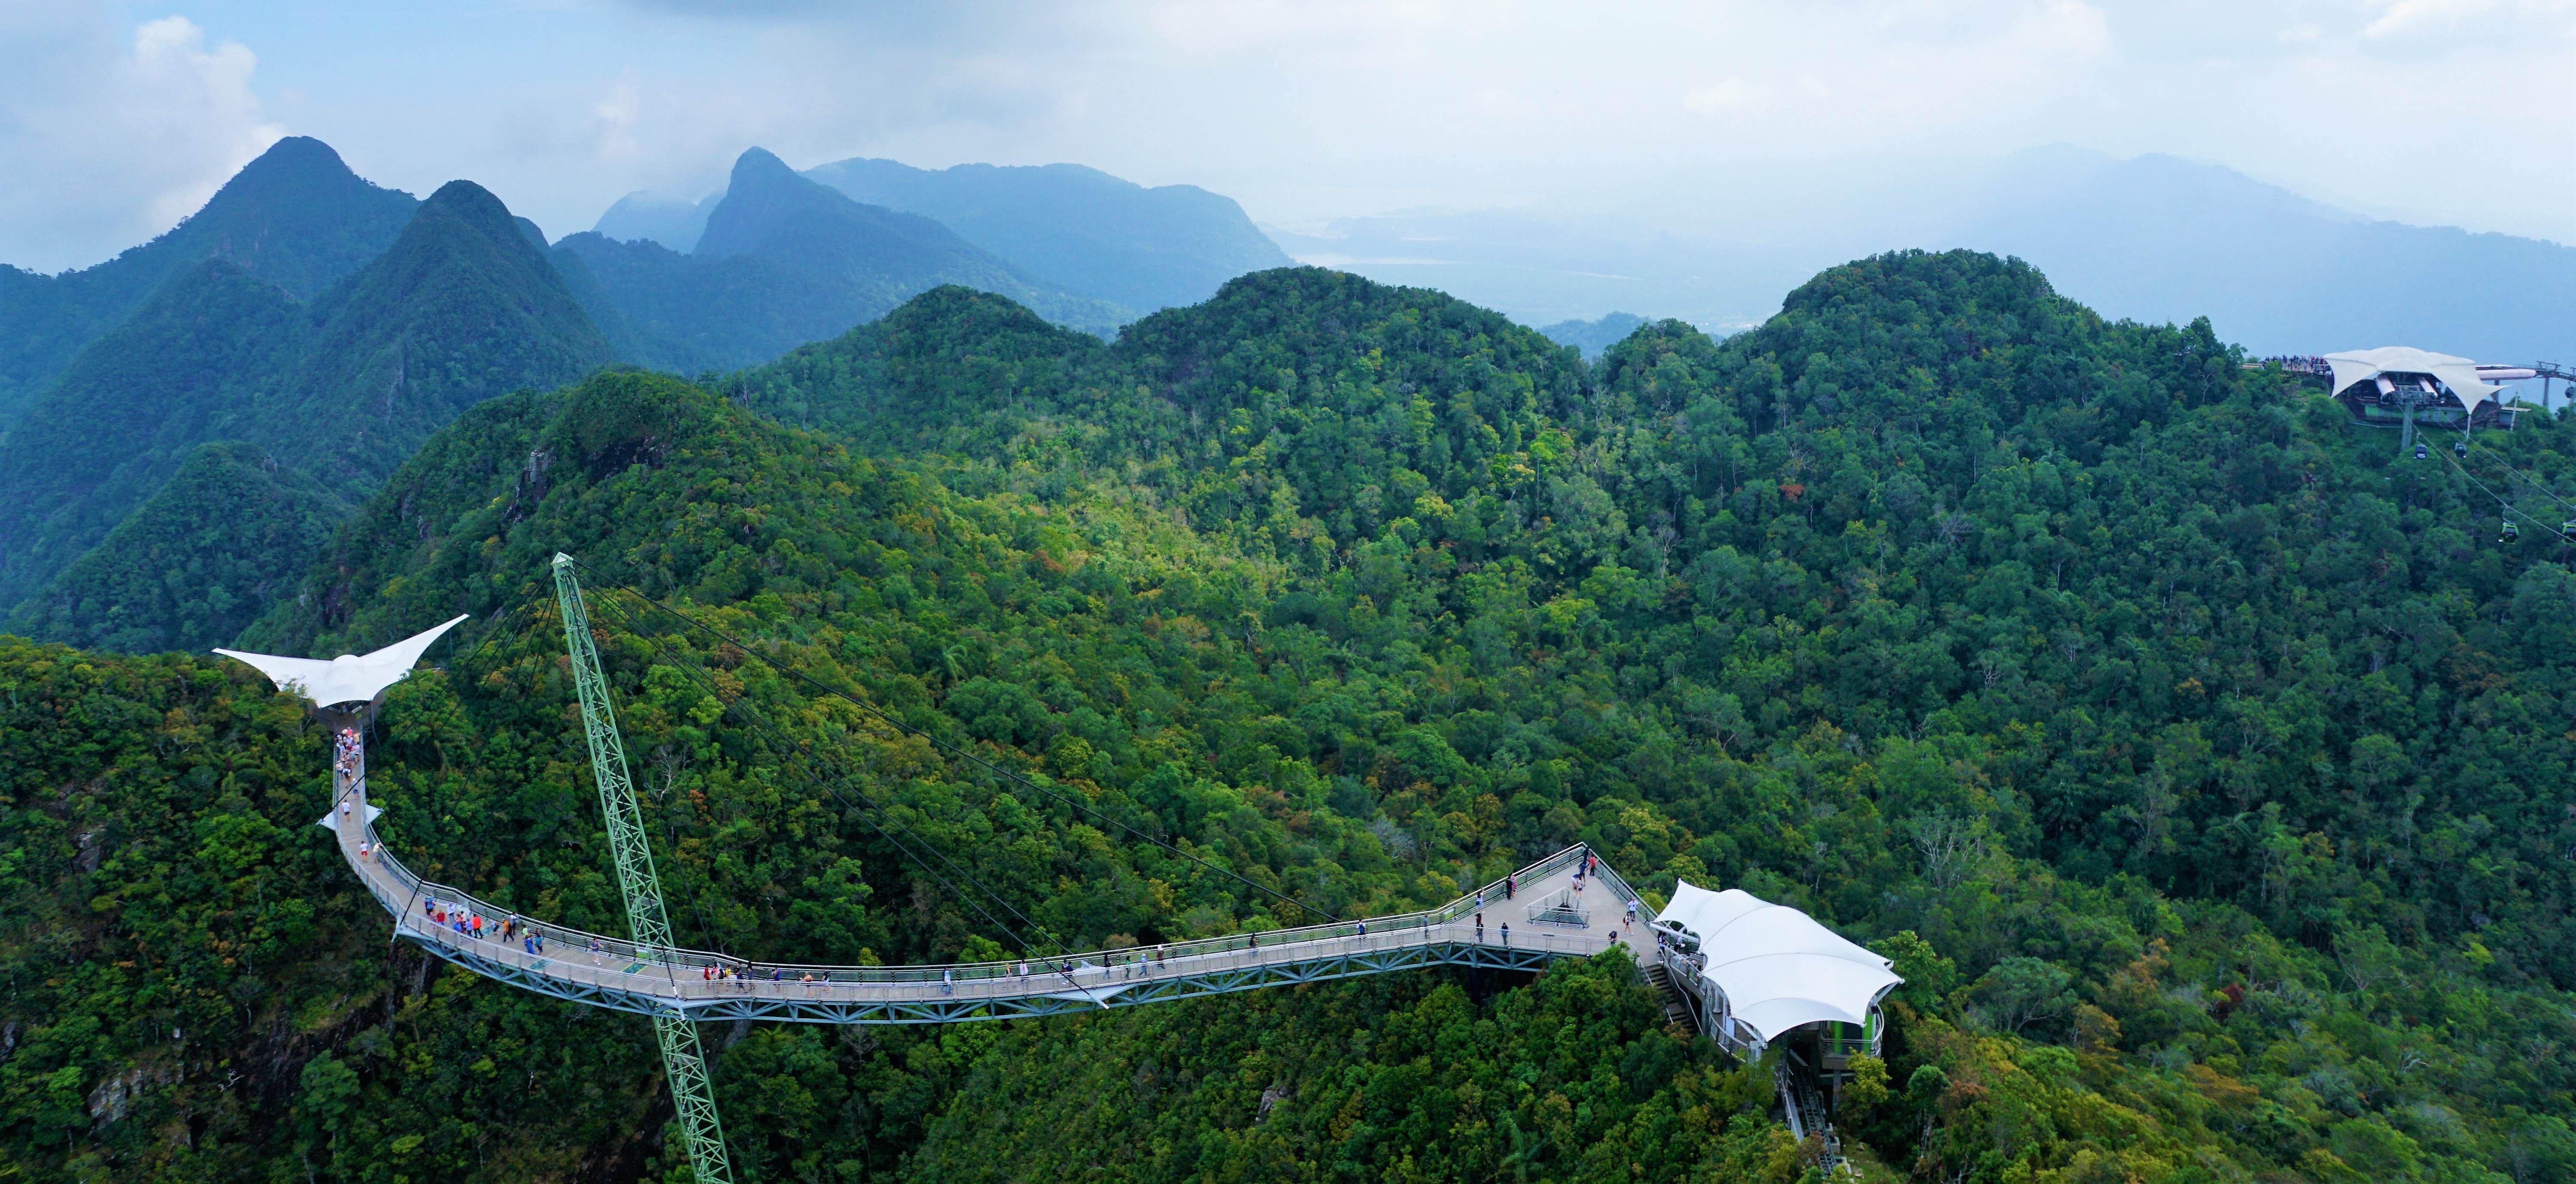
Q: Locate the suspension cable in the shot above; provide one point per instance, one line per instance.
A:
(2535, 481)
(2509, 508)
(1074, 803)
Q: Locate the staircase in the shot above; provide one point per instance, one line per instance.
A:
(1677, 1011)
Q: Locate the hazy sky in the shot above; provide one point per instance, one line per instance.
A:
(117, 119)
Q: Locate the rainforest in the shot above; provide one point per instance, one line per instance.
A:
(2203, 761)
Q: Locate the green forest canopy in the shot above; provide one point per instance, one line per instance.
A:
(2203, 765)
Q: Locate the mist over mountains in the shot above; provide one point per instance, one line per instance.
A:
(2153, 238)
(1063, 225)
(783, 260)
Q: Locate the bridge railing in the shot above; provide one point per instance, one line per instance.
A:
(410, 897)
(1460, 909)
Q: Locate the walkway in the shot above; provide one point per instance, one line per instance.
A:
(612, 972)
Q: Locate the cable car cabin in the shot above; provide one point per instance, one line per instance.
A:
(2567, 530)
(1757, 974)
(2423, 453)
(2460, 449)
(2383, 387)
(2511, 532)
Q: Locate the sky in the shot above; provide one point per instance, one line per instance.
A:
(117, 119)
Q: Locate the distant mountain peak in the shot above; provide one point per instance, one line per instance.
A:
(295, 160)
(757, 163)
(762, 192)
(475, 204)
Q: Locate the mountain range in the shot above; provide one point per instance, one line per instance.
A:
(784, 260)
(180, 425)
(259, 370)
(1075, 228)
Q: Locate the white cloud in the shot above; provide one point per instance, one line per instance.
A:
(1726, 96)
(2402, 16)
(113, 132)
(1302, 109)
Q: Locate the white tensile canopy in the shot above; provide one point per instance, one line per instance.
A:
(2459, 374)
(348, 678)
(1778, 967)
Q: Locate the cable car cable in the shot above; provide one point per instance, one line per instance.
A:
(2535, 481)
(2509, 510)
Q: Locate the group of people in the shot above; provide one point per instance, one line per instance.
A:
(345, 753)
(718, 972)
(473, 925)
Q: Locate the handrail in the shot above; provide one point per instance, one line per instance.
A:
(673, 961)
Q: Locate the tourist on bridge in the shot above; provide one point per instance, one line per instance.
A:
(594, 951)
(948, 981)
(1510, 882)
(1507, 935)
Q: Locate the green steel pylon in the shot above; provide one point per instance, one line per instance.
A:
(692, 1095)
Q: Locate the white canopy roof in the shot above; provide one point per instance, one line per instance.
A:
(2459, 374)
(1778, 967)
(347, 678)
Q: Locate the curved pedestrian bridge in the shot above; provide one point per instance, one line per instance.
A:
(1548, 917)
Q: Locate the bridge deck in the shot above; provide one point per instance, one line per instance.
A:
(613, 972)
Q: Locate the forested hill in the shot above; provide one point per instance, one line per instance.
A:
(2203, 765)
(461, 307)
(296, 217)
